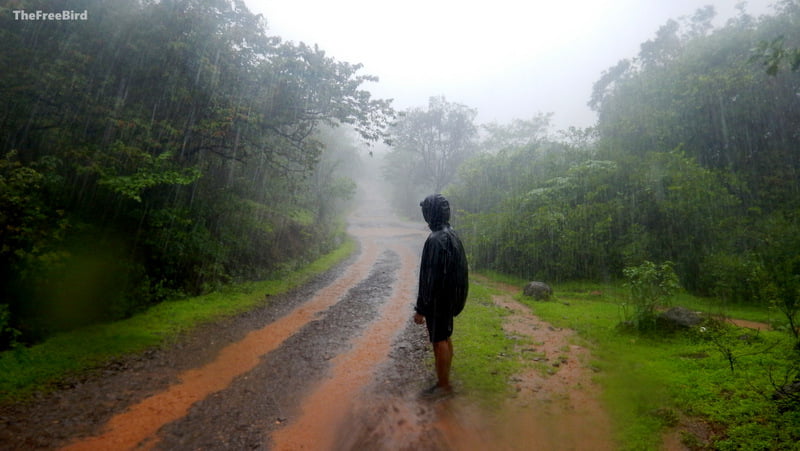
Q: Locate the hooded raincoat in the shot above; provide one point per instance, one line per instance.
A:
(443, 274)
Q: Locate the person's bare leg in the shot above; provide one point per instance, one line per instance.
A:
(443, 355)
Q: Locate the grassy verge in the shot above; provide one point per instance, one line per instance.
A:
(655, 382)
(484, 356)
(25, 370)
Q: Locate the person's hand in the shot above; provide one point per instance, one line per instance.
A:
(419, 319)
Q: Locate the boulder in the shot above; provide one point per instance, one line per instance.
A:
(538, 290)
(679, 318)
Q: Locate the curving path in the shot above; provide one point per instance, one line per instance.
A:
(336, 364)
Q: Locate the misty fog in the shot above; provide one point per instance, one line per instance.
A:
(508, 59)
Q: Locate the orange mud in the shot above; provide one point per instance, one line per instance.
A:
(557, 405)
(553, 411)
(138, 425)
(326, 409)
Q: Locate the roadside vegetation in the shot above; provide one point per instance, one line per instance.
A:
(164, 149)
(716, 385)
(485, 356)
(42, 367)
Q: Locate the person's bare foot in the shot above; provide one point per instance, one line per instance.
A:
(437, 391)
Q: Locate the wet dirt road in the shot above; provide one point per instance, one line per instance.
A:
(336, 364)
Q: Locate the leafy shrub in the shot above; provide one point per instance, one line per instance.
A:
(651, 287)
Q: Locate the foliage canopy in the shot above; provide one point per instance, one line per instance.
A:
(164, 147)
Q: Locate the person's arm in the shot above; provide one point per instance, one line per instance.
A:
(422, 307)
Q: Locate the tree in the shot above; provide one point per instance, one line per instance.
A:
(519, 133)
(773, 55)
(664, 48)
(168, 146)
(690, 162)
(441, 138)
(701, 90)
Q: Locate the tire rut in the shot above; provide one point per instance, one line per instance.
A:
(82, 405)
(263, 399)
(138, 425)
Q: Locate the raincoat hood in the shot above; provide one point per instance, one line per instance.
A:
(436, 211)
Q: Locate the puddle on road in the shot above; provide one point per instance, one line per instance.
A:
(393, 423)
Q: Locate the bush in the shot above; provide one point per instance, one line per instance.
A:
(651, 287)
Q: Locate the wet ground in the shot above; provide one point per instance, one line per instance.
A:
(335, 364)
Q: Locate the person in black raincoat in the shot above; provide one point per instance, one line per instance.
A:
(443, 286)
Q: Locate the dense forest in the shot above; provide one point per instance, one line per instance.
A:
(162, 148)
(694, 160)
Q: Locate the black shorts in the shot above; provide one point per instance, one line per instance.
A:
(439, 328)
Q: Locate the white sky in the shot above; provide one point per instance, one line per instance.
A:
(507, 58)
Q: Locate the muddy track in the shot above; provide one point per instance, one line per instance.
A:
(230, 385)
(83, 405)
(262, 400)
(334, 364)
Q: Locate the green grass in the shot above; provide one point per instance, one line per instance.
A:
(616, 293)
(651, 381)
(41, 367)
(484, 356)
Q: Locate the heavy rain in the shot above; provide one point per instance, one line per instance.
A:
(211, 234)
